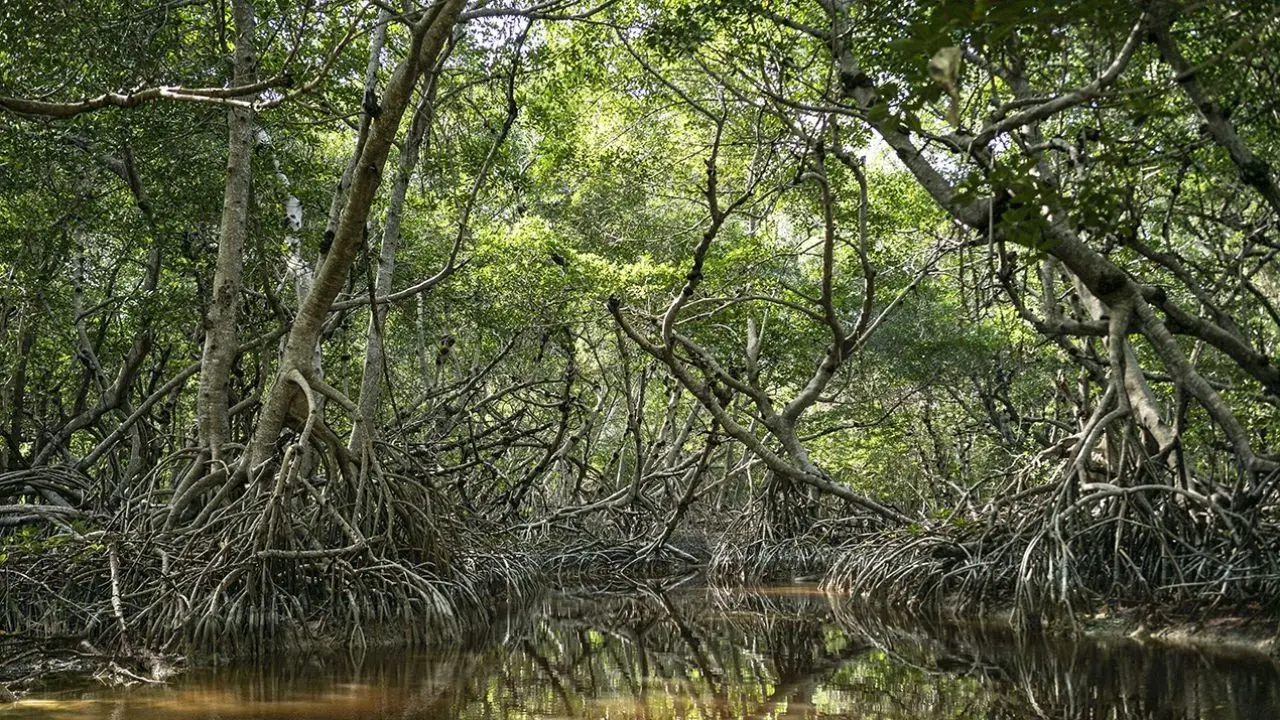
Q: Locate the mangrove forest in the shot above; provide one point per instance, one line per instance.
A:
(344, 324)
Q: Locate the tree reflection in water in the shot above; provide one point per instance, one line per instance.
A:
(711, 653)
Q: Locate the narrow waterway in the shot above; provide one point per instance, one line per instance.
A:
(709, 653)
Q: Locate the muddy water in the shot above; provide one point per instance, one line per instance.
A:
(705, 653)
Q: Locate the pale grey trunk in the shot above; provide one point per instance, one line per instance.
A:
(377, 40)
(374, 358)
(299, 271)
(429, 36)
(220, 323)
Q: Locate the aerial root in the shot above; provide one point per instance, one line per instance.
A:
(1150, 543)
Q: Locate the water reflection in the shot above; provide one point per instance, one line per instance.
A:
(706, 653)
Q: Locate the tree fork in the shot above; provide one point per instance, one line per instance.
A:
(428, 39)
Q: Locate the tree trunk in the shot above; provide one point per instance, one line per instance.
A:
(377, 40)
(429, 36)
(17, 398)
(371, 375)
(220, 323)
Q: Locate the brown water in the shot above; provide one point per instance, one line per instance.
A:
(705, 653)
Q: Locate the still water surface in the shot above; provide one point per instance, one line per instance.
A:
(708, 653)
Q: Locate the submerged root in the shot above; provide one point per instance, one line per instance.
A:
(1143, 544)
(296, 560)
(802, 559)
(206, 596)
(913, 570)
(616, 563)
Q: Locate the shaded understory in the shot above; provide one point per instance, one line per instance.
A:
(149, 600)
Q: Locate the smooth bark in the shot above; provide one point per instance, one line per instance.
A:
(428, 38)
(220, 321)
